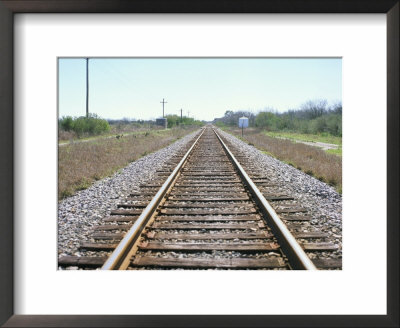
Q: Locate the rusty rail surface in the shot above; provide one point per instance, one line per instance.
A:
(119, 259)
(207, 208)
(298, 258)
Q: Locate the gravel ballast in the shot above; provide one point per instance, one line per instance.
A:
(78, 214)
(322, 201)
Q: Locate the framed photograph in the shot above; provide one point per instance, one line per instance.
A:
(154, 46)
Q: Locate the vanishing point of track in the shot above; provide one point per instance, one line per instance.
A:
(203, 212)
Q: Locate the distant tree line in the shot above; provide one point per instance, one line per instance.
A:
(231, 118)
(92, 125)
(126, 121)
(312, 117)
(175, 120)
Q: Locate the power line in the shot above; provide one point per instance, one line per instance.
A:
(87, 87)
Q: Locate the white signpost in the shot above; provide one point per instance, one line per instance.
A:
(243, 123)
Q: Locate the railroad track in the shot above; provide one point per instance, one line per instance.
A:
(204, 211)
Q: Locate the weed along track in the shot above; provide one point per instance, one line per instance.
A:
(207, 208)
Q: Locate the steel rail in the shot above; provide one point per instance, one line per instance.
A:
(119, 255)
(296, 255)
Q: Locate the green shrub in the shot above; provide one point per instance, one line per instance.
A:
(66, 123)
(92, 125)
(175, 120)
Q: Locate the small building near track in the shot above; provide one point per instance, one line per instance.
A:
(162, 121)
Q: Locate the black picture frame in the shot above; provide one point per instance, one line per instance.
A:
(7, 10)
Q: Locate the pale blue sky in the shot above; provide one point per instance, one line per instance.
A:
(205, 87)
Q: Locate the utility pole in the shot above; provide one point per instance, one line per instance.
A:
(163, 102)
(188, 114)
(181, 116)
(87, 87)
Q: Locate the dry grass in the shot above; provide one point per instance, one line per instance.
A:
(80, 164)
(66, 135)
(125, 128)
(311, 160)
